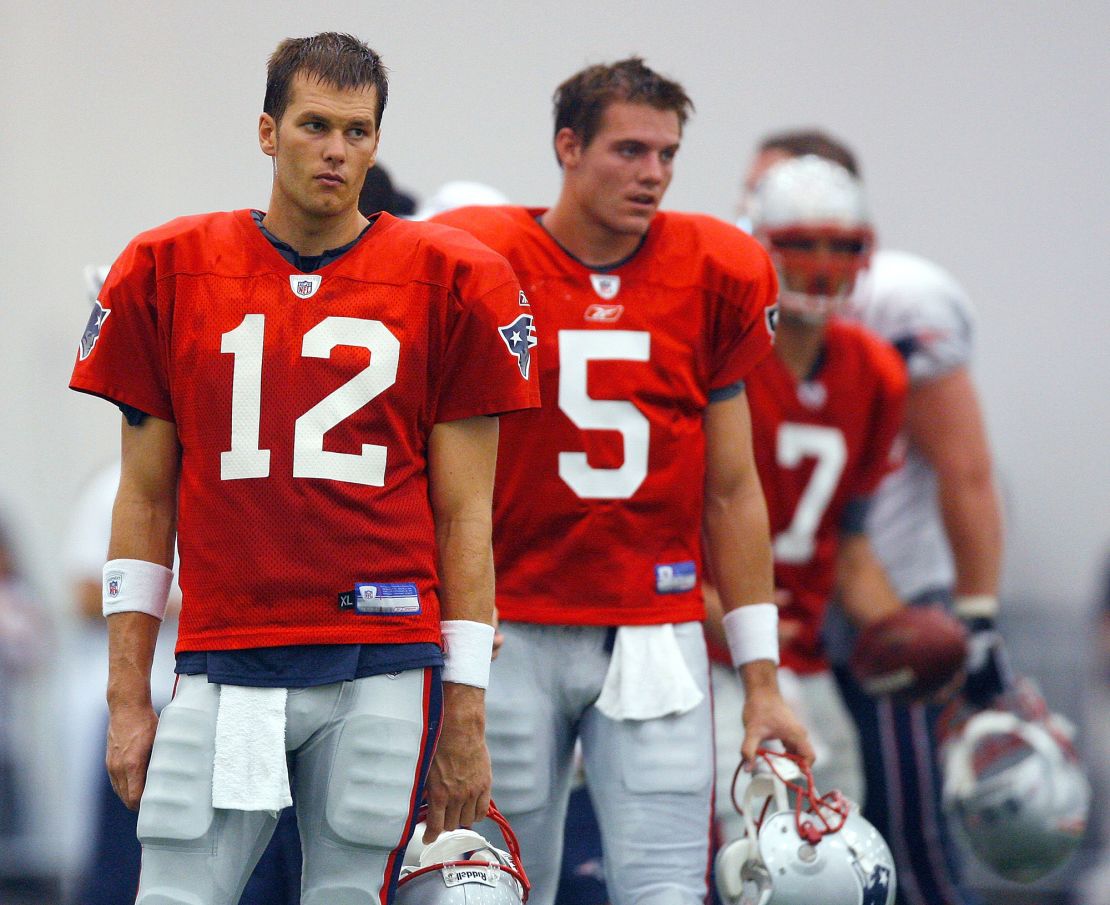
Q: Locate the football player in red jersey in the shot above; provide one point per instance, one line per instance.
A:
(826, 410)
(652, 323)
(936, 525)
(307, 398)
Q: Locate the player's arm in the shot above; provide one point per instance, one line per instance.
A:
(738, 547)
(462, 457)
(944, 421)
(144, 527)
(863, 589)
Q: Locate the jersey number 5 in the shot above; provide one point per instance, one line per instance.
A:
(310, 459)
(796, 442)
(577, 348)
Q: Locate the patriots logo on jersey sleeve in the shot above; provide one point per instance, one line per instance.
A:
(92, 329)
(520, 337)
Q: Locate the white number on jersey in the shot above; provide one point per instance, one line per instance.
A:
(577, 348)
(310, 459)
(796, 442)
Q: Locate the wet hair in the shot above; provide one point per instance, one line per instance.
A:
(582, 99)
(340, 60)
(799, 142)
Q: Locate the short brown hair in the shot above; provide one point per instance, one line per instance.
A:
(332, 58)
(582, 99)
(799, 142)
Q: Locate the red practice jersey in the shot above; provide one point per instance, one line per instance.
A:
(598, 504)
(820, 444)
(303, 404)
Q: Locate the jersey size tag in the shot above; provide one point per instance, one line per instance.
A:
(380, 599)
(675, 577)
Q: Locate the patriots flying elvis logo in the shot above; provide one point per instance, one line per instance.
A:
(520, 337)
(92, 329)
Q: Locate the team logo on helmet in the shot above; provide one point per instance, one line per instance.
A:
(876, 887)
(304, 285)
(519, 337)
(92, 329)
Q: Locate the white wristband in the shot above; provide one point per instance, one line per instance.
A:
(976, 606)
(753, 633)
(135, 586)
(467, 651)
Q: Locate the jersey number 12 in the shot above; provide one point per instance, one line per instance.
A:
(310, 459)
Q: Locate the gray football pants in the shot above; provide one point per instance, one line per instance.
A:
(358, 751)
(651, 781)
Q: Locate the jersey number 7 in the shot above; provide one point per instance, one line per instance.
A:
(794, 443)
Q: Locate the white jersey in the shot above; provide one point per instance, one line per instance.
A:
(928, 317)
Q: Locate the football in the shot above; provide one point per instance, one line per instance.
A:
(911, 654)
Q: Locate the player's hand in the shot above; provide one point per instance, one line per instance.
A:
(130, 741)
(768, 716)
(988, 671)
(459, 781)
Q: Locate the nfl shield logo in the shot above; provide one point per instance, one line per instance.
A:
(304, 285)
(607, 285)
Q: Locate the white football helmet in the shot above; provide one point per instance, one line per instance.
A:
(94, 278)
(461, 867)
(1016, 789)
(811, 216)
(820, 849)
(459, 193)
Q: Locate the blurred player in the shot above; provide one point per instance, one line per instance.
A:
(380, 194)
(306, 398)
(651, 323)
(826, 409)
(936, 526)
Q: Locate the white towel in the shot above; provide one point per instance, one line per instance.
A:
(648, 676)
(249, 772)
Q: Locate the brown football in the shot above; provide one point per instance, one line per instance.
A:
(911, 654)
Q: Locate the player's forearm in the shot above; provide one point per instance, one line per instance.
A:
(973, 523)
(462, 457)
(466, 578)
(144, 517)
(131, 640)
(738, 546)
(143, 528)
(862, 587)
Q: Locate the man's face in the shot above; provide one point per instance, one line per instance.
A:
(323, 146)
(619, 179)
(817, 266)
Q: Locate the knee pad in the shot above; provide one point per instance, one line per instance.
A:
(370, 788)
(176, 805)
(521, 754)
(669, 754)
